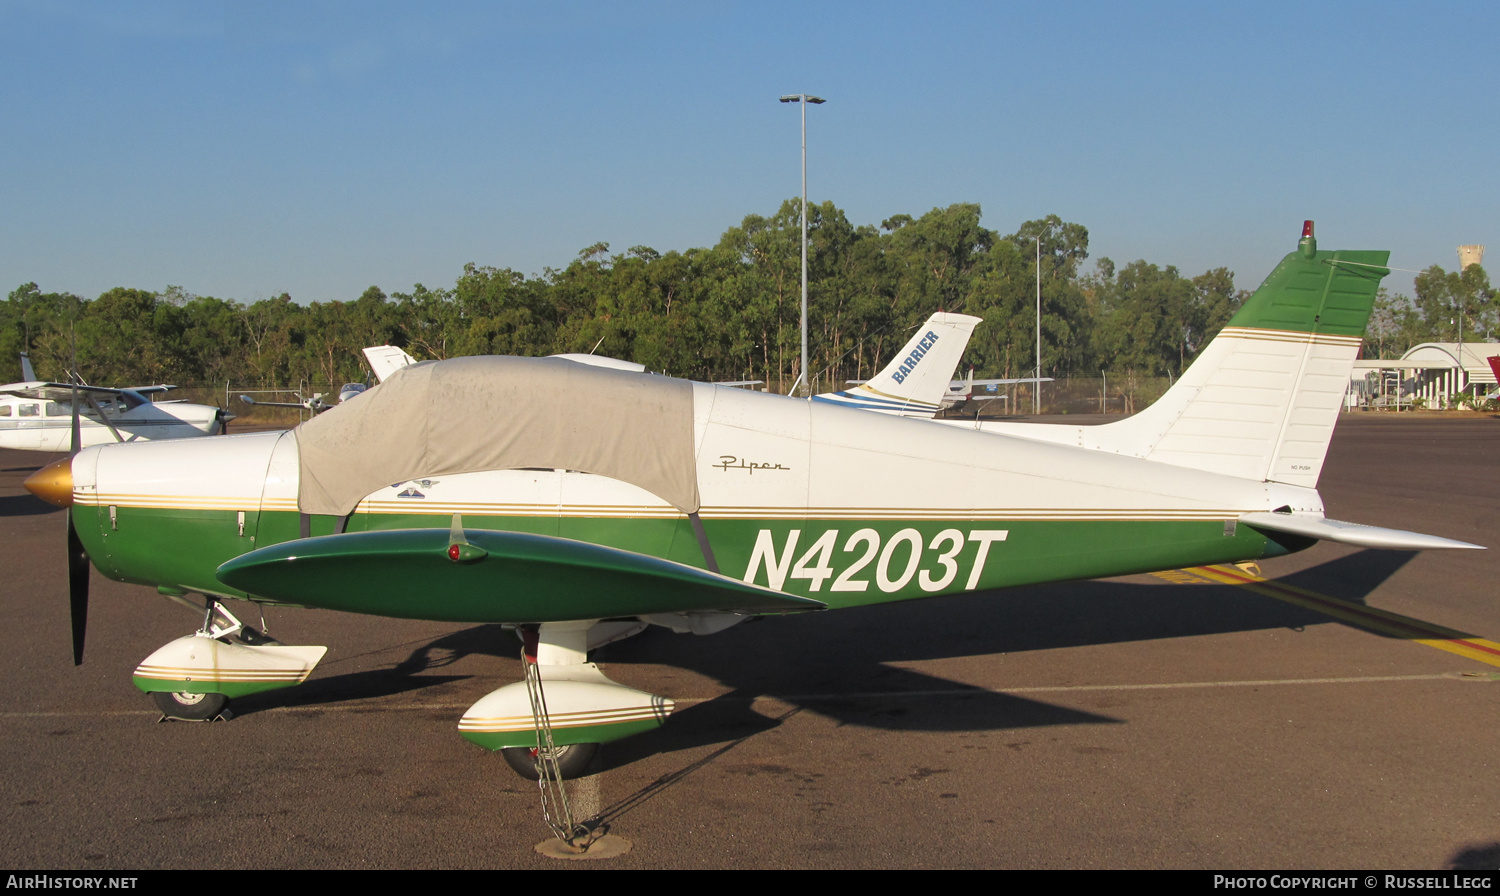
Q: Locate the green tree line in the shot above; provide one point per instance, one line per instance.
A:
(729, 311)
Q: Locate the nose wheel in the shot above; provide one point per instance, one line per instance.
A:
(572, 760)
(189, 707)
(194, 677)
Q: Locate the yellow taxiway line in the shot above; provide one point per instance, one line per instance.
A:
(1396, 625)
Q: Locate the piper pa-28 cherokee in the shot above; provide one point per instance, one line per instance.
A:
(462, 491)
(36, 415)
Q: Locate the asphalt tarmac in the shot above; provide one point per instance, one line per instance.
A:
(1142, 722)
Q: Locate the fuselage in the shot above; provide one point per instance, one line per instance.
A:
(804, 497)
(29, 424)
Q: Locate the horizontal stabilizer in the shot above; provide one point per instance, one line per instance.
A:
(504, 577)
(1352, 533)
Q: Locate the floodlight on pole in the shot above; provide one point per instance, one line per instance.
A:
(803, 99)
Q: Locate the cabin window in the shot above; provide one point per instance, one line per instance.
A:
(5, 410)
(54, 410)
(30, 410)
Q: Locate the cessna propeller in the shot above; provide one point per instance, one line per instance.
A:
(78, 558)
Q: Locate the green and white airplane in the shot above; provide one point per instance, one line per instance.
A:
(462, 490)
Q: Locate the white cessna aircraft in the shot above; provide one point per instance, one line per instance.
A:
(37, 415)
(463, 491)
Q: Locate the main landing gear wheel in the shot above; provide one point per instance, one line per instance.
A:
(189, 707)
(572, 760)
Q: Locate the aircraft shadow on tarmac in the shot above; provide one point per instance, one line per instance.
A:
(1353, 577)
(406, 676)
(840, 665)
(1476, 858)
(25, 505)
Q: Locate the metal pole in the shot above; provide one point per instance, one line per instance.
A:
(1036, 388)
(806, 377)
(803, 99)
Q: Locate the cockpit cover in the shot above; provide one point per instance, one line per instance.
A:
(501, 413)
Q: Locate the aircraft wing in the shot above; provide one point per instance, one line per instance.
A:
(1352, 533)
(955, 384)
(601, 361)
(312, 404)
(477, 575)
(1024, 379)
(63, 392)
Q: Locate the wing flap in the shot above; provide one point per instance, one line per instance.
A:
(512, 577)
(1353, 533)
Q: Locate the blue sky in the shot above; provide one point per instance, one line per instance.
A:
(245, 149)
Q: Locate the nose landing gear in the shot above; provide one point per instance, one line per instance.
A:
(194, 677)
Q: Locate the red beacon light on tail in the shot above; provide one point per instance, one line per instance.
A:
(1308, 245)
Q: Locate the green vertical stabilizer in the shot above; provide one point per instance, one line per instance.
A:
(1329, 293)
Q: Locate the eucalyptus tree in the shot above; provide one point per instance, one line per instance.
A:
(1456, 306)
(28, 319)
(1216, 300)
(501, 312)
(934, 259)
(213, 347)
(427, 322)
(124, 336)
(769, 286)
(271, 335)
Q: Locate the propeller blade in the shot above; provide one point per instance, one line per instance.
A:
(75, 445)
(78, 588)
(78, 558)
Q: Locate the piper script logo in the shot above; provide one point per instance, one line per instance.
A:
(910, 363)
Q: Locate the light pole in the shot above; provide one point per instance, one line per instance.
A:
(803, 99)
(1036, 389)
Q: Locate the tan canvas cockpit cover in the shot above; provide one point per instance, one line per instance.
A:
(501, 413)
